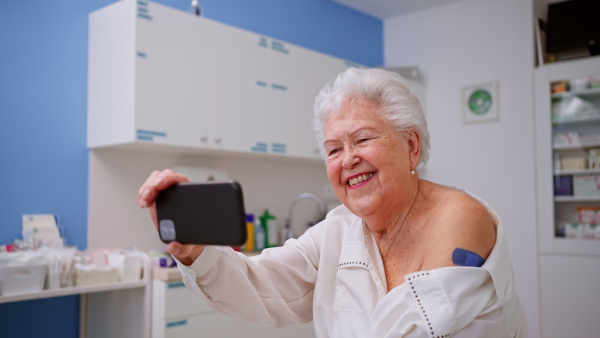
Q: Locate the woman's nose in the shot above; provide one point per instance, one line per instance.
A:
(350, 158)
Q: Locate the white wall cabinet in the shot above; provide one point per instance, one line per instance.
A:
(171, 68)
(165, 77)
(555, 211)
(568, 266)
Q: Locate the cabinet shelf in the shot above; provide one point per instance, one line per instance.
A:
(156, 148)
(576, 146)
(586, 246)
(578, 172)
(576, 119)
(577, 198)
(586, 92)
(74, 290)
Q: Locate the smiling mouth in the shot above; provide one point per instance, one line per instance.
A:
(359, 180)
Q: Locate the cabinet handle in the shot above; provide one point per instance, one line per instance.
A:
(204, 138)
(218, 140)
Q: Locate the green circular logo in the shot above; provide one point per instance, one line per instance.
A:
(480, 102)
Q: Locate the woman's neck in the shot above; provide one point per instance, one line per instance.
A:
(387, 225)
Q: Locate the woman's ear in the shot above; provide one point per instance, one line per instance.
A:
(414, 148)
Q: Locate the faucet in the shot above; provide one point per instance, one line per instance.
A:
(288, 226)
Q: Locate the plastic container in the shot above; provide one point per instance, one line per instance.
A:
(270, 225)
(260, 236)
(22, 279)
(132, 266)
(249, 246)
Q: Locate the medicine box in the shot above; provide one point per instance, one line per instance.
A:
(574, 230)
(563, 185)
(574, 163)
(586, 186)
(22, 279)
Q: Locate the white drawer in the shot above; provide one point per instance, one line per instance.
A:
(207, 325)
(180, 301)
(214, 325)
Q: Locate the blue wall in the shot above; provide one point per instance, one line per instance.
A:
(43, 70)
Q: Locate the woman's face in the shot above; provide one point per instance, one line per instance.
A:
(368, 162)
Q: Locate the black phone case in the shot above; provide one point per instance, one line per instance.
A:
(202, 213)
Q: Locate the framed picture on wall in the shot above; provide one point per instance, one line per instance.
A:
(480, 102)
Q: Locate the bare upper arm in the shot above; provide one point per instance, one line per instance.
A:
(460, 221)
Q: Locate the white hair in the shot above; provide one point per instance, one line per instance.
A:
(399, 106)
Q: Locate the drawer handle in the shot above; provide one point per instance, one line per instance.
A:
(171, 325)
(175, 285)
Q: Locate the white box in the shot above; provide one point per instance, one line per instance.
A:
(583, 186)
(22, 279)
(574, 230)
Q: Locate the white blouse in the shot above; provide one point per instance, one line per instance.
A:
(334, 276)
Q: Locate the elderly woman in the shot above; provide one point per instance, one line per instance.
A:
(402, 257)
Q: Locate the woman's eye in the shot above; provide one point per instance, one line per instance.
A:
(332, 151)
(363, 140)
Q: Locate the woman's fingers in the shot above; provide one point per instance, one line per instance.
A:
(157, 181)
(154, 184)
(143, 191)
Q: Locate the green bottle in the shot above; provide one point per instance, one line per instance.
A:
(269, 223)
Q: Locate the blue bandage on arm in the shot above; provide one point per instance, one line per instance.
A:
(464, 257)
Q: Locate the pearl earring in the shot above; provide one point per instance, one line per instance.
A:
(412, 172)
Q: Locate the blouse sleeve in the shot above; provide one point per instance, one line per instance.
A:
(274, 288)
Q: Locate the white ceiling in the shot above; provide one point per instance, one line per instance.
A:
(384, 9)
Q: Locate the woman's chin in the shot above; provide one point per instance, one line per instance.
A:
(361, 209)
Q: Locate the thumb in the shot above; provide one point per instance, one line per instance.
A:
(174, 248)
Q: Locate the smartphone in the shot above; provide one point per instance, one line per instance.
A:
(202, 213)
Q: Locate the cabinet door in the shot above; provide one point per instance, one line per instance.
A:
(238, 89)
(170, 76)
(297, 75)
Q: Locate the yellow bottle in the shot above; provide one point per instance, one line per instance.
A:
(249, 246)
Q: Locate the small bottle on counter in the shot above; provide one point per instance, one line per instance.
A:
(259, 235)
(249, 246)
(270, 226)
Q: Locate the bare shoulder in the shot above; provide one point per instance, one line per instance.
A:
(458, 221)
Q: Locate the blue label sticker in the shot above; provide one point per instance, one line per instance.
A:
(281, 50)
(263, 42)
(278, 148)
(144, 16)
(279, 87)
(151, 133)
(171, 325)
(142, 55)
(175, 285)
(259, 147)
(261, 83)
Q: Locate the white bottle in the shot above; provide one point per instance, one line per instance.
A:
(259, 235)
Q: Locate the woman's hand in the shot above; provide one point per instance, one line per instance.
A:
(155, 183)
